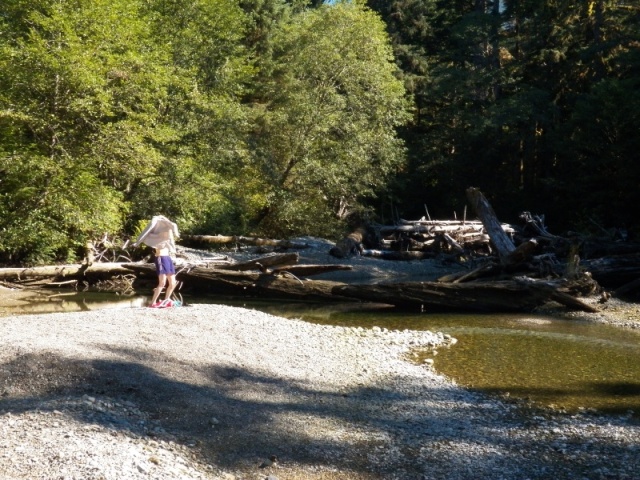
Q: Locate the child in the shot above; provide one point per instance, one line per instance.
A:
(160, 234)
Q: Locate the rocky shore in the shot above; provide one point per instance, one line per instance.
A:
(211, 392)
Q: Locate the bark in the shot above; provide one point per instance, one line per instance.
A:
(493, 296)
(554, 292)
(501, 241)
(520, 295)
(350, 245)
(59, 272)
(522, 253)
(395, 255)
(254, 284)
(433, 227)
(264, 262)
(308, 270)
(614, 271)
(212, 240)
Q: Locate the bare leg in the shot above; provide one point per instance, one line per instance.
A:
(162, 280)
(170, 287)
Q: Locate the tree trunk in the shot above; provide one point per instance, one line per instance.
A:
(494, 296)
(210, 240)
(501, 241)
(350, 245)
(308, 270)
(263, 262)
(520, 295)
(395, 255)
(58, 272)
(252, 284)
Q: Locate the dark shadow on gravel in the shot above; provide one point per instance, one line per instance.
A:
(230, 417)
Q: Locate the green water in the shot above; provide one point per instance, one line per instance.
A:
(559, 363)
(553, 362)
(565, 364)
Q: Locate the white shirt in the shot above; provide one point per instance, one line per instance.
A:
(160, 234)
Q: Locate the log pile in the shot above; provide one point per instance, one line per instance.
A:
(426, 238)
(508, 268)
(418, 239)
(433, 237)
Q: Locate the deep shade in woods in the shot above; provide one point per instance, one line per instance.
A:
(537, 103)
(281, 117)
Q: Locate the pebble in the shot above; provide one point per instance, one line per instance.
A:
(345, 391)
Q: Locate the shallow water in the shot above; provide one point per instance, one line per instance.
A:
(554, 362)
(567, 364)
(28, 302)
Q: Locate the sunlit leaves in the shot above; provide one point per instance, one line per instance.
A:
(326, 132)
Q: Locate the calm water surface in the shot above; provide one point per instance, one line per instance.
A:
(551, 361)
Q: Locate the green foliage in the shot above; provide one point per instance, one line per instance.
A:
(49, 211)
(289, 117)
(106, 116)
(324, 123)
(604, 143)
(79, 105)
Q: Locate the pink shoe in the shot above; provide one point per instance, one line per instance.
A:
(158, 304)
(166, 304)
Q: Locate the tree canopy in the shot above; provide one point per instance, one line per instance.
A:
(523, 99)
(285, 117)
(224, 115)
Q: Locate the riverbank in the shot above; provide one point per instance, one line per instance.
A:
(212, 391)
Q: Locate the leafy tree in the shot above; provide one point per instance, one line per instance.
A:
(195, 184)
(324, 135)
(113, 110)
(57, 62)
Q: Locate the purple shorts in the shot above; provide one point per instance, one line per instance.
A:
(164, 266)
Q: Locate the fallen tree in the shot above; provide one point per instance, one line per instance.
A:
(517, 295)
(252, 284)
(61, 272)
(288, 281)
(206, 241)
(512, 273)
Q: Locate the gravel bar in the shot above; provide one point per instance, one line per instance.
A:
(211, 391)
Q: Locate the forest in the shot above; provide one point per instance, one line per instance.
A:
(294, 117)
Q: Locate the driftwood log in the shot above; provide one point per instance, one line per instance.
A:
(397, 255)
(493, 296)
(263, 262)
(518, 295)
(61, 271)
(614, 271)
(501, 241)
(199, 241)
(57, 275)
(350, 245)
(250, 284)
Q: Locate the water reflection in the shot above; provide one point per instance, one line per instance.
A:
(563, 363)
(23, 302)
